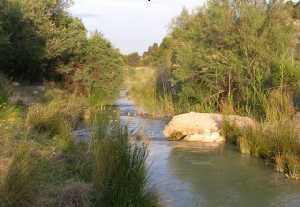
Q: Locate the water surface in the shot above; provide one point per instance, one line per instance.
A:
(189, 174)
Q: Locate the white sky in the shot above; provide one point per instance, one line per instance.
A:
(131, 25)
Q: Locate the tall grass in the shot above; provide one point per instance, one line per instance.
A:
(19, 186)
(275, 139)
(49, 118)
(11, 127)
(143, 88)
(120, 176)
(108, 171)
(75, 194)
(51, 152)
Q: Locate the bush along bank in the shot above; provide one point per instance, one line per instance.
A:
(43, 164)
(240, 58)
(276, 139)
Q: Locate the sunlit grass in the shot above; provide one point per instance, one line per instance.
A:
(19, 186)
(275, 139)
(120, 173)
(141, 84)
(49, 118)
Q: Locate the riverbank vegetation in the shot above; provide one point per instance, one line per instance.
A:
(275, 139)
(140, 83)
(234, 57)
(44, 163)
(228, 53)
(41, 41)
(44, 51)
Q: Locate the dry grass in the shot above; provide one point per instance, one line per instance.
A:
(75, 194)
(140, 83)
(11, 127)
(19, 186)
(142, 86)
(49, 117)
(36, 173)
(275, 139)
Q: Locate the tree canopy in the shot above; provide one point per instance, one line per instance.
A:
(133, 59)
(40, 40)
(231, 51)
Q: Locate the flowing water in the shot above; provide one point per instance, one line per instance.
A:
(193, 175)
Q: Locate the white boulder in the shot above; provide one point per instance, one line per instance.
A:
(204, 127)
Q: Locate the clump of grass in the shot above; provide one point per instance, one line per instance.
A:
(280, 144)
(43, 119)
(47, 118)
(65, 158)
(231, 132)
(11, 126)
(277, 143)
(278, 107)
(77, 160)
(19, 185)
(115, 167)
(75, 194)
(275, 139)
(120, 177)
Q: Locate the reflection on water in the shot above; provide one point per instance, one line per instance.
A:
(190, 174)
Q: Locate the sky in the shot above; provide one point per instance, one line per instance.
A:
(131, 25)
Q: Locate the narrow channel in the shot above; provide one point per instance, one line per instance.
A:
(193, 175)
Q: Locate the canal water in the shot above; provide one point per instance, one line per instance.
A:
(190, 174)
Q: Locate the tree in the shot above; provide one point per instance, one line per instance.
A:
(40, 40)
(133, 59)
(99, 71)
(26, 46)
(231, 51)
(42, 36)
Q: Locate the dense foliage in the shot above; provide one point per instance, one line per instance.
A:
(45, 163)
(40, 40)
(230, 52)
(98, 72)
(133, 59)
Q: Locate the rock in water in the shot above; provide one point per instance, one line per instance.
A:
(204, 127)
(205, 137)
(192, 125)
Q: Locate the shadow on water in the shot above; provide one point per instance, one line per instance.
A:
(191, 174)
